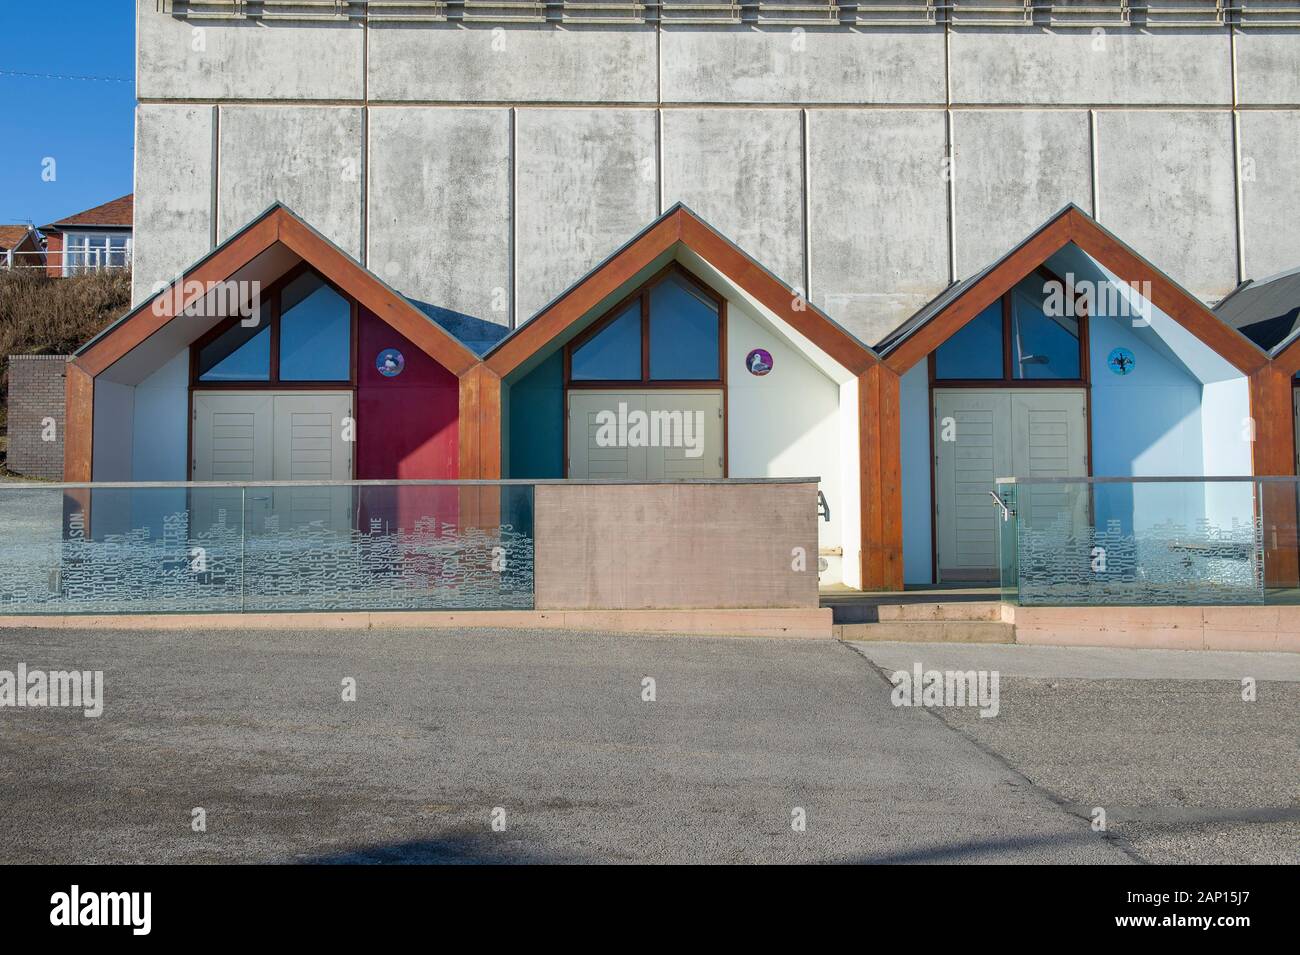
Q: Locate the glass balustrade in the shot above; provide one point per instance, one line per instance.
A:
(222, 548)
(1149, 541)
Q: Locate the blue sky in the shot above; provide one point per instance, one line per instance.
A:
(86, 127)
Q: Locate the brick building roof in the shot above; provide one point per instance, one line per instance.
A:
(117, 213)
(11, 236)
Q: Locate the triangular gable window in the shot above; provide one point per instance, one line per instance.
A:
(304, 334)
(614, 352)
(237, 354)
(668, 330)
(1019, 338)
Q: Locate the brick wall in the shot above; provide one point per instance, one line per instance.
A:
(36, 393)
(54, 254)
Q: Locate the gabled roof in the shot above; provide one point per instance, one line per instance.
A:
(118, 213)
(1267, 311)
(11, 236)
(678, 225)
(277, 225)
(959, 303)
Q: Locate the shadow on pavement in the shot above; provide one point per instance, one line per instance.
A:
(460, 849)
(980, 850)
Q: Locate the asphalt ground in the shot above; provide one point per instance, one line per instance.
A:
(551, 737)
(1162, 740)
(546, 734)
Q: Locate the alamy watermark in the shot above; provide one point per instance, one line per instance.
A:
(224, 299)
(1074, 298)
(921, 687)
(659, 428)
(78, 689)
(75, 907)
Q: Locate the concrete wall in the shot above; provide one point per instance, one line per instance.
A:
(439, 191)
(585, 183)
(1012, 169)
(673, 546)
(880, 248)
(483, 168)
(1270, 169)
(742, 171)
(174, 213)
(309, 157)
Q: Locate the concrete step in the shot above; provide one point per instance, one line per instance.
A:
(982, 610)
(929, 631)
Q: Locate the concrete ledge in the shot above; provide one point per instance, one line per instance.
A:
(1160, 628)
(779, 622)
(928, 631)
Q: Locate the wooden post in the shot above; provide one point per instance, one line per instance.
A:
(480, 446)
(880, 446)
(1274, 453)
(78, 423)
(480, 424)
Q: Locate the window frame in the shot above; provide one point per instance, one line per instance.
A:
(271, 316)
(1008, 380)
(80, 244)
(642, 292)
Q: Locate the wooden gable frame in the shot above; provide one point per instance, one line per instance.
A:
(878, 386)
(277, 225)
(1072, 224)
(1273, 450)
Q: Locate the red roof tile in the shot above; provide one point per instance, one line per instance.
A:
(11, 235)
(115, 213)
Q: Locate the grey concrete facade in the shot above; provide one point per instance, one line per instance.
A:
(483, 168)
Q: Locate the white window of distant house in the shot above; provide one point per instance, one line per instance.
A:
(90, 252)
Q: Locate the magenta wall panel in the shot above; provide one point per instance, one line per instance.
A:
(406, 422)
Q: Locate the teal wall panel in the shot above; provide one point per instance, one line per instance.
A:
(536, 422)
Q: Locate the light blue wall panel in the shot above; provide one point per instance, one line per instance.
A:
(915, 464)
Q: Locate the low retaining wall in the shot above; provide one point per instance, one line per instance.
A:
(806, 622)
(675, 546)
(1160, 628)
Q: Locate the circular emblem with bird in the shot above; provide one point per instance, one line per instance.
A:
(1120, 361)
(759, 361)
(390, 363)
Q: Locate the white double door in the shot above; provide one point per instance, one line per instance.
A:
(686, 442)
(253, 437)
(982, 435)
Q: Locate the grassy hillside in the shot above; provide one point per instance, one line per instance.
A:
(44, 316)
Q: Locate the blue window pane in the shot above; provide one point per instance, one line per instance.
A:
(613, 353)
(1042, 346)
(240, 354)
(683, 332)
(975, 352)
(315, 332)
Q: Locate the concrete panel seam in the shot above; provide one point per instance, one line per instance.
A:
(1238, 192)
(951, 171)
(511, 211)
(216, 175)
(659, 157)
(738, 104)
(364, 238)
(805, 181)
(1096, 172)
(1238, 197)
